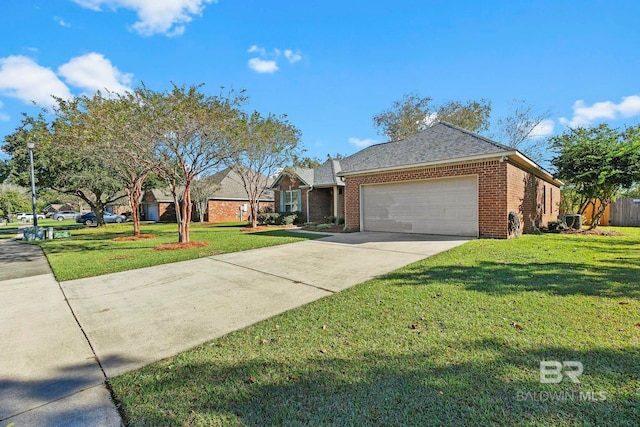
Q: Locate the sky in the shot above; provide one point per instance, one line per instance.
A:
(330, 66)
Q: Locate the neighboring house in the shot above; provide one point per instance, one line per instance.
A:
(443, 180)
(228, 203)
(157, 205)
(317, 193)
(55, 207)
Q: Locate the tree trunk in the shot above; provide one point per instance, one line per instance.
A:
(254, 214)
(185, 219)
(134, 202)
(595, 219)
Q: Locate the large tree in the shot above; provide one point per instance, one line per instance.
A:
(194, 134)
(267, 143)
(414, 113)
(597, 162)
(65, 156)
(126, 143)
(521, 129)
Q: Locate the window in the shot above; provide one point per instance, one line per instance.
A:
(544, 199)
(290, 201)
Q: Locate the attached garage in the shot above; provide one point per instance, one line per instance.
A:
(447, 206)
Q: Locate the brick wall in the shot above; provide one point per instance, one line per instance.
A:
(492, 197)
(535, 200)
(229, 210)
(286, 184)
(320, 204)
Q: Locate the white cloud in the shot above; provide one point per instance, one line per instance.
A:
(262, 65)
(584, 115)
(267, 62)
(292, 56)
(24, 79)
(155, 16)
(362, 142)
(61, 22)
(93, 72)
(257, 49)
(542, 129)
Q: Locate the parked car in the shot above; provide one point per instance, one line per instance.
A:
(27, 216)
(62, 215)
(89, 218)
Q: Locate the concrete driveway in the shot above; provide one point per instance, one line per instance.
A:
(137, 317)
(52, 333)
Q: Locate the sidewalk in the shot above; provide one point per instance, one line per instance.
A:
(48, 373)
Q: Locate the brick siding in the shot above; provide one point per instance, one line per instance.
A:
(535, 200)
(501, 188)
(229, 210)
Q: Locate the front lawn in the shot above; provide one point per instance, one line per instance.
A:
(456, 339)
(94, 251)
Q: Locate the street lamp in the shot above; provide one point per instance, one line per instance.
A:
(30, 146)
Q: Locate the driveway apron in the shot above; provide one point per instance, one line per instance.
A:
(59, 341)
(140, 316)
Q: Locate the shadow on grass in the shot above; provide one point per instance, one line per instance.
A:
(373, 389)
(608, 280)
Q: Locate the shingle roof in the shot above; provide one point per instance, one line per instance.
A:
(230, 186)
(439, 142)
(325, 174)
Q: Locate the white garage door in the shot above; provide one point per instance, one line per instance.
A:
(436, 206)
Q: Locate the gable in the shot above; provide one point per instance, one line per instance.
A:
(438, 143)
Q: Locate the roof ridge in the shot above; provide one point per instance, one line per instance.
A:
(475, 135)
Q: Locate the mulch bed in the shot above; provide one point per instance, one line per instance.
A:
(595, 232)
(178, 246)
(332, 229)
(249, 229)
(130, 238)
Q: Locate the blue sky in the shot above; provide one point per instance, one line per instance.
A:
(331, 65)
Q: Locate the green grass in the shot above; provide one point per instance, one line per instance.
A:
(93, 251)
(435, 343)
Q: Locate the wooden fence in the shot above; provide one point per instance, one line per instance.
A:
(625, 213)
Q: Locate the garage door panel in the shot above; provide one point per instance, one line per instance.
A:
(439, 206)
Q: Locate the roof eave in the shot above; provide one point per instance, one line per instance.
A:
(465, 159)
(514, 155)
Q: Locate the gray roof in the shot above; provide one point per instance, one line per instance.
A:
(439, 142)
(326, 174)
(323, 176)
(230, 186)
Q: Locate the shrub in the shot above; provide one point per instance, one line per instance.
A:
(288, 219)
(269, 218)
(330, 218)
(340, 221)
(323, 226)
(300, 218)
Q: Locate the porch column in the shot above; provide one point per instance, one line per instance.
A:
(335, 203)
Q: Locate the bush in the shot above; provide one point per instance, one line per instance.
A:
(300, 218)
(323, 226)
(330, 218)
(269, 218)
(288, 219)
(340, 221)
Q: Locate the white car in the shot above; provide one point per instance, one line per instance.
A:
(27, 216)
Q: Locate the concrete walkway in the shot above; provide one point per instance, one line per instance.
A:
(137, 317)
(48, 373)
